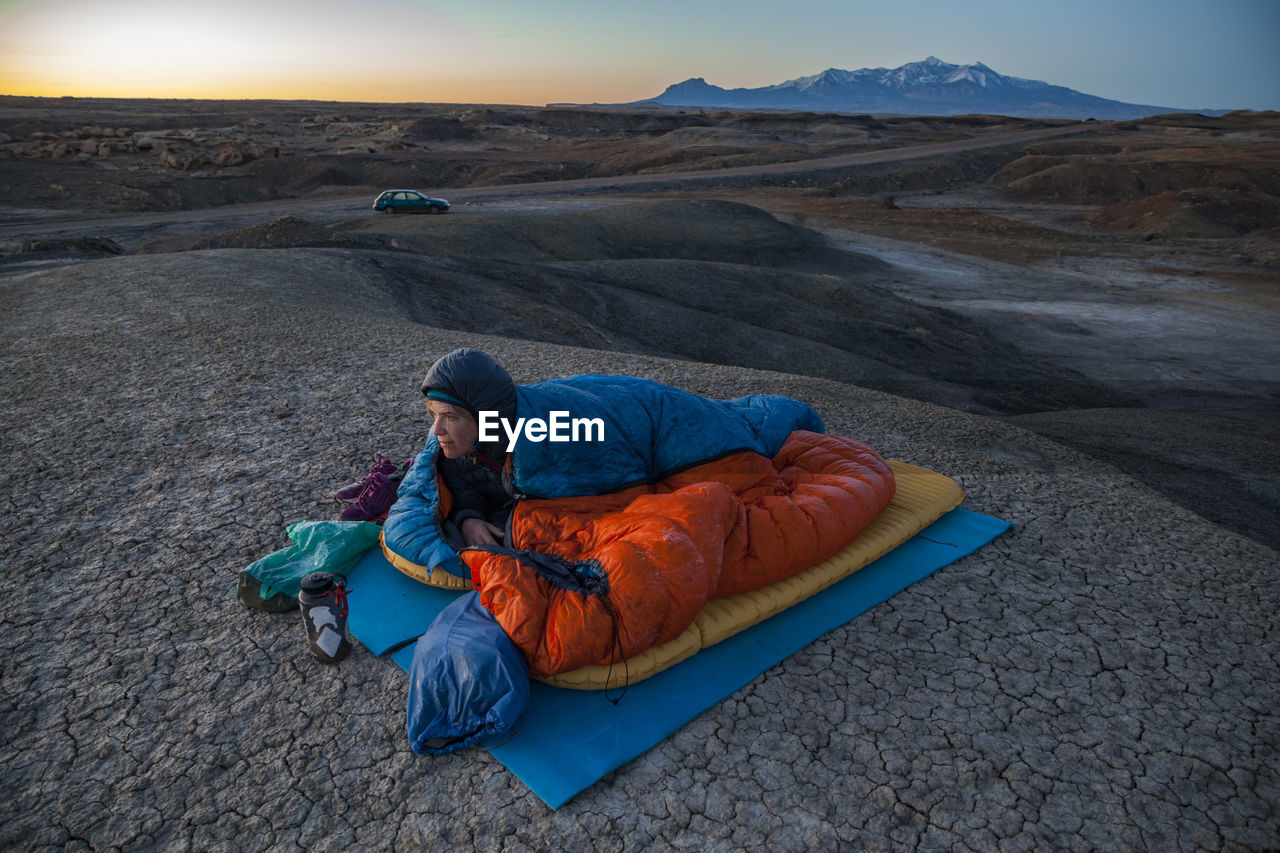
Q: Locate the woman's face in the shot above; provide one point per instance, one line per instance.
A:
(454, 428)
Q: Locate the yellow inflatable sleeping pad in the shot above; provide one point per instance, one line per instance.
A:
(431, 577)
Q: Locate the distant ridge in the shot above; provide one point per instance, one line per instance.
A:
(930, 87)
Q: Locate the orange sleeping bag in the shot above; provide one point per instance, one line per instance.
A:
(633, 568)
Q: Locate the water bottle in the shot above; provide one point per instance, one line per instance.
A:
(323, 602)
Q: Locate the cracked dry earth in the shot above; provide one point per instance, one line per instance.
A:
(1103, 677)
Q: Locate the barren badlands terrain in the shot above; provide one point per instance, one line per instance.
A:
(1109, 285)
(206, 329)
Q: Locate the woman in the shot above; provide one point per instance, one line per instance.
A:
(458, 387)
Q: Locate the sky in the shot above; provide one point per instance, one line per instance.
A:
(1185, 54)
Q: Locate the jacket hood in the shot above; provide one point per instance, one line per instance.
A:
(472, 376)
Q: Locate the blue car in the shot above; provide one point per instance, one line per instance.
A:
(409, 201)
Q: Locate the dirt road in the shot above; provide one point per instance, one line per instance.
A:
(347, 204)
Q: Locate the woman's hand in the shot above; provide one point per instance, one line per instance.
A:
(477, 531)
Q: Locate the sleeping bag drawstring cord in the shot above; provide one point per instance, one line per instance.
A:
(616, 645)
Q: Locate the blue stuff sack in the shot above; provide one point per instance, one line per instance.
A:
(468, 683)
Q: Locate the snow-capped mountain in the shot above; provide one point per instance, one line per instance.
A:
(931, 87)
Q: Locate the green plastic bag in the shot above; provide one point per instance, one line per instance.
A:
(318, 546)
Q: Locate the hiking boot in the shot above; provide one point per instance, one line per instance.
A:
(350, 492)
(253, 595)
(384, 466)
(377, 496)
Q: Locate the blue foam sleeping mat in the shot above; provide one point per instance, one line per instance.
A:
(572, 738)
